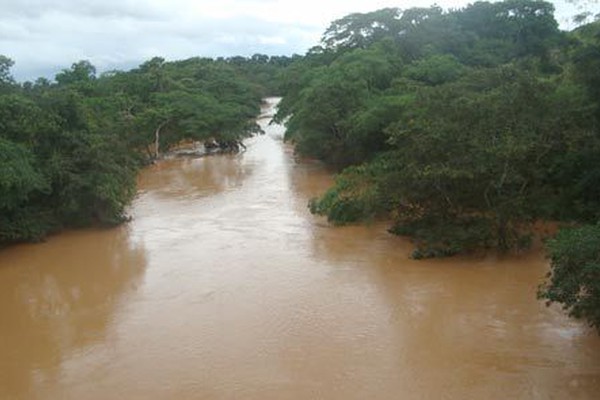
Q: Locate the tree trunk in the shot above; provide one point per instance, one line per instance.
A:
(157, 139)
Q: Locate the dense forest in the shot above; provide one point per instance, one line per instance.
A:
(462, 127)
(70, 148)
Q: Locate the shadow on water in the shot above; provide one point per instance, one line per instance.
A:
(59, 299)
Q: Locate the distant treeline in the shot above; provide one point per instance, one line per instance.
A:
(70, 148)
(463, 127)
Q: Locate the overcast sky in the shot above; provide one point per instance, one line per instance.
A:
(44, 36)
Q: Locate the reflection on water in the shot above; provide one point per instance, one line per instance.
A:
(184, 179)
(225, 287)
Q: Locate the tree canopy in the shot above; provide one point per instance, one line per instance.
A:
(467, 124)
(70, 148)
(462, 127)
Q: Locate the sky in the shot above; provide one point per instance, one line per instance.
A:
(46, 36)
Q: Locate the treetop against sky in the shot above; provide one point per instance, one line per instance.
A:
(43, 37)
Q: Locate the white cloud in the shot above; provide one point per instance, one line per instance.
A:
(43, 36)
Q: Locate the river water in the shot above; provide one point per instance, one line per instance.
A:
(224, 286)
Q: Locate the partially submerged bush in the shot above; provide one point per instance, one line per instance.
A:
(574, 279)
(353, 198)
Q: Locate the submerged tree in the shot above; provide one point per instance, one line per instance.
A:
(462, 126)
(575, 278)
(70, 149)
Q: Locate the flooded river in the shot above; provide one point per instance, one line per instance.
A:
(224, 286)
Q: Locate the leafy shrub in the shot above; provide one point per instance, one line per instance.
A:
(574, 279)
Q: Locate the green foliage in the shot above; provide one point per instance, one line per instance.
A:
(82, 71)
(574, 280)
(6, 79)
(18, 176)
(198, 99)
(361, 30)
(19, 183)
(436, 69)
(586, 60)
(70, 150)
(391, 52)
(353, 198)
(265, 72)
(479, 145)
(509, 29)
(439, 237)
(326, 119)
(465, 126)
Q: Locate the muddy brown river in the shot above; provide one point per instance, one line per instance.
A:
(224, 286)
